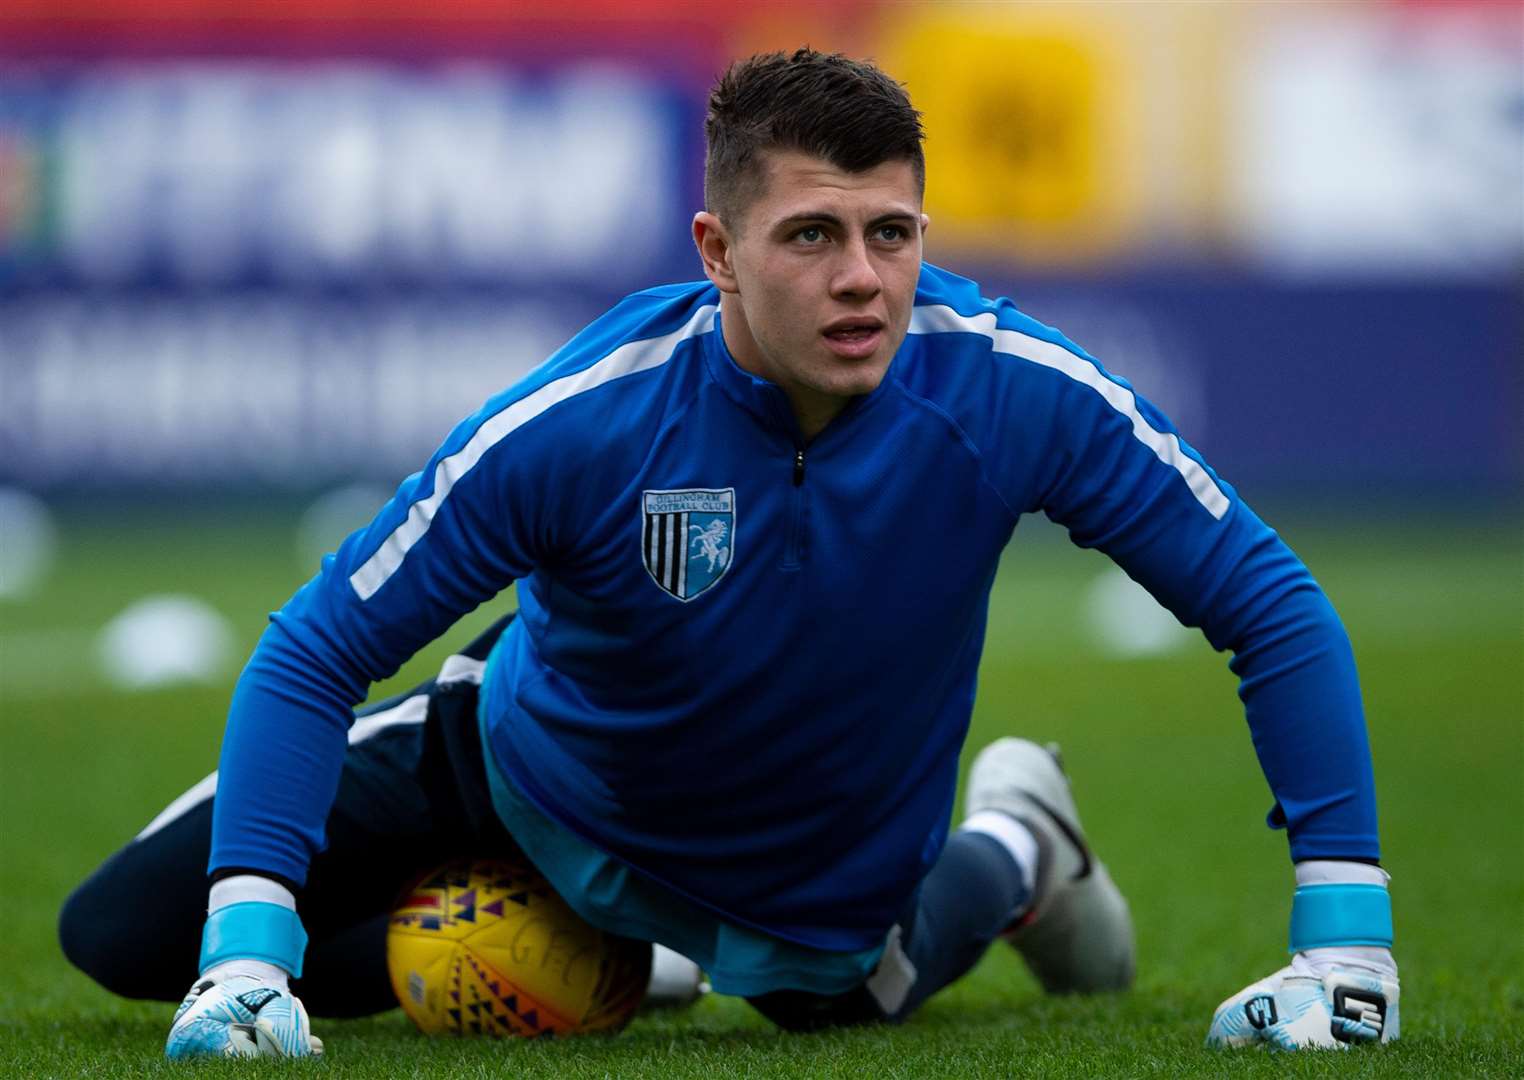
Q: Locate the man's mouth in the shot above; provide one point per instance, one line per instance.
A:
(854, 338)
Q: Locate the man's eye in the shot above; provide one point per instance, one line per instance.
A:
(810, 235)
(891, 233)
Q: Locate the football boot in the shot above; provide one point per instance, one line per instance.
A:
(1076, 934)
(675, 981)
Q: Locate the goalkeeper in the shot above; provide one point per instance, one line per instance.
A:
(754, 522)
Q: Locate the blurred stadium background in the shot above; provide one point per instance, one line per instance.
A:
(255, 260)
(280, 246)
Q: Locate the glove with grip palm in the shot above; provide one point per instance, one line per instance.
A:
(1330, 997)
(1341, 986)
(241, 1009)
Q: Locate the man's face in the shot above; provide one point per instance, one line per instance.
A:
(820, 278)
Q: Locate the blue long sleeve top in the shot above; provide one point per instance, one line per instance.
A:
(745, 666)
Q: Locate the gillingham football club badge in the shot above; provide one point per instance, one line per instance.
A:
(688, 538)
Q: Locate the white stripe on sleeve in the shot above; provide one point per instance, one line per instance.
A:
(629, 358)
(940, 319)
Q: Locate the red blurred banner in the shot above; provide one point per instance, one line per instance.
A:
(682, 31)
(326, 28)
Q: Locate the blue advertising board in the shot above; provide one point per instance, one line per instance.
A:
(353, 173)
(269, 275)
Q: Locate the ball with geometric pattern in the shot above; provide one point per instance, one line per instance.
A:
(487, 947)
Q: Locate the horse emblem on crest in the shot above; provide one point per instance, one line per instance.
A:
(688, 538)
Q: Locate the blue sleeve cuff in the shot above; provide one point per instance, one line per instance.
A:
(254, 930)
(1333, 915)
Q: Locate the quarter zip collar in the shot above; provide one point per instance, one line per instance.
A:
(766, 400)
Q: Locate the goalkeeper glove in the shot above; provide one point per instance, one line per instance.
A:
(242, 1006)
(1341, 986)
(241, 1009)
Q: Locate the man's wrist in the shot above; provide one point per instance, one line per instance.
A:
(248, 888)
(1340, 904)
(250, 917)
(1340, 872)
(1370, 959)
(268, 974)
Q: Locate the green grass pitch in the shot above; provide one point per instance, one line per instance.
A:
(1162, 766)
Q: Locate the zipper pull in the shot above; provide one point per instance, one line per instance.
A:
(798, 467)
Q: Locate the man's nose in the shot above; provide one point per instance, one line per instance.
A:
(856, 277)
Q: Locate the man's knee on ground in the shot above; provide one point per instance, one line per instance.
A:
(130, 941)
(90, 926)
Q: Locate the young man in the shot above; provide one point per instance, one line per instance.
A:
(728, 714)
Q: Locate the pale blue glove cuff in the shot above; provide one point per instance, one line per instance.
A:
(1334, 915)
(254, 930)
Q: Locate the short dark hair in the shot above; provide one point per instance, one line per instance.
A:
(846, 111)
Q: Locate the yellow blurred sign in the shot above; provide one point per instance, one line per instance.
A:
(1028, 112)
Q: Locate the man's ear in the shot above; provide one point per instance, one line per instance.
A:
(714, 247)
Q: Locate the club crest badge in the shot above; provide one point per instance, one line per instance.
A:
(688, 538)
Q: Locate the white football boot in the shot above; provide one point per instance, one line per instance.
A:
(675, 982)
(1077, 934)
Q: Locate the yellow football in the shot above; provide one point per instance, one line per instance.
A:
(487, 947)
